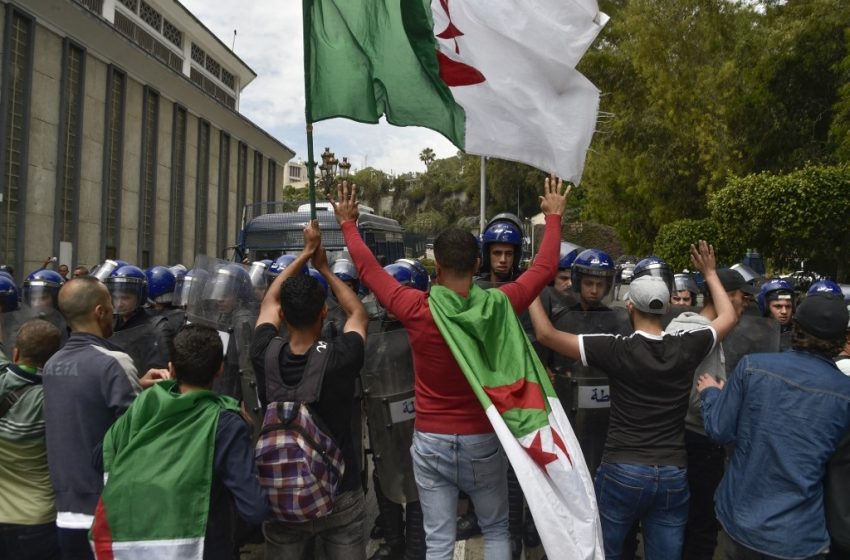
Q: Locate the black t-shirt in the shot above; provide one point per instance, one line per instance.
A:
(651, 378)
(335, 406)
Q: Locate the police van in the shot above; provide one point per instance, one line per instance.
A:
(268, 232)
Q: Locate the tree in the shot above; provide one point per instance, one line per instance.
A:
(427, 156)
(788, 217)
(674, 240)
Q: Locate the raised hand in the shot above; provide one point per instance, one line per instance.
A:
(702, 256)
(312, 237)
(552, 201)
(345, 207)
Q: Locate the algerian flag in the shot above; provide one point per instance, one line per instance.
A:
(158, 460)
(496, 77)
(487, 340)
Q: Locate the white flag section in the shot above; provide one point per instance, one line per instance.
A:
(561, 497)
(529, 104)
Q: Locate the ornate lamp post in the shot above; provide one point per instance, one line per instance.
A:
(331, 168)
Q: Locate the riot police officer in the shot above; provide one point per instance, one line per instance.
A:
(684, 292)
(41, 294)
(161, 286)
(776, 299)
(137, 332)
(345, 270)
(388, 378)
(8, 293)
(501, 249)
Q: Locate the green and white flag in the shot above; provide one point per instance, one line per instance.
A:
(158, 465)
(496, 77)
(487, 340)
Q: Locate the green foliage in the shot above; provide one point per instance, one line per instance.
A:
(426, 222)
(799, 215)
(674, 240)
(697, 91)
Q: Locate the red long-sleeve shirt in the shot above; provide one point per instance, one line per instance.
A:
(445, 403)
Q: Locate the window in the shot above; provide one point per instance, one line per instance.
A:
(70, 145)
(147, 179)
(241, 183)
(178, 184)
(272, 194)
(150, 16)
(14, 132)
(198, 54)
(170, 32)
(202, 190)
(258, 177)
(223, 191)
(113, 150)
(132, 4)
(294, 172)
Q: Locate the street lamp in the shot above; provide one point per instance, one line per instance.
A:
(330, 167)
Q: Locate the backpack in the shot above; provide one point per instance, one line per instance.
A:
(298, 462)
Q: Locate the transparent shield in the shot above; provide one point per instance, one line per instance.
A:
(752, 334)
(225, 293)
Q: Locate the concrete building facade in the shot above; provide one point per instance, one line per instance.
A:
(120, 135)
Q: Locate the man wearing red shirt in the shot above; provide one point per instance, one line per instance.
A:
(454, 446)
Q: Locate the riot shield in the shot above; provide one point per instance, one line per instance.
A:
(752, 334)
(228, 303)
(243, 333)
(584, 391)
(144, 345)
(674, 311)
(10, 322)
(388, 386)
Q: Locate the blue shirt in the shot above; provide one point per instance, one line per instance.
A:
(785, 413)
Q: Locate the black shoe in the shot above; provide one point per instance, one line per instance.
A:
(529, 533)
(377, 532)
(387, 552)
(467, 526)
(516, 548)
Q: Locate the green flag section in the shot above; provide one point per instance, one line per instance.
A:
(158, 460)
(363, 60)
(487, 341)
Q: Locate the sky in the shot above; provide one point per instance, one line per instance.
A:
(269, 39)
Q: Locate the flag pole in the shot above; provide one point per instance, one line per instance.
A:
(482, 219)
(306, 7)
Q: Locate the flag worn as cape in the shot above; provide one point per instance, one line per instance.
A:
(158, 465)
(487, 340)
(496, 77)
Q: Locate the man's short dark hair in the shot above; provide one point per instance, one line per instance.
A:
(196, 354)
(36, 341)
(807, 342)
(302, 300)
(88, 292)
(456, 250)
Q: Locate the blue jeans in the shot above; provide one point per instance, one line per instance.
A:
(657, 495)
(443, 464)
(341, 533)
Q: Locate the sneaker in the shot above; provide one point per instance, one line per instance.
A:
(467, 526)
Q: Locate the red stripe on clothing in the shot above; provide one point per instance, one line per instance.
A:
(102, 534)
(520, 394)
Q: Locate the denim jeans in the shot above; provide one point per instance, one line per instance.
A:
(341, 533)
(444, 464)
(657, 495)
(29, 542)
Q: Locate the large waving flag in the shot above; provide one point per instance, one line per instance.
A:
(158, 460)
(496, 77)
(487, 340)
